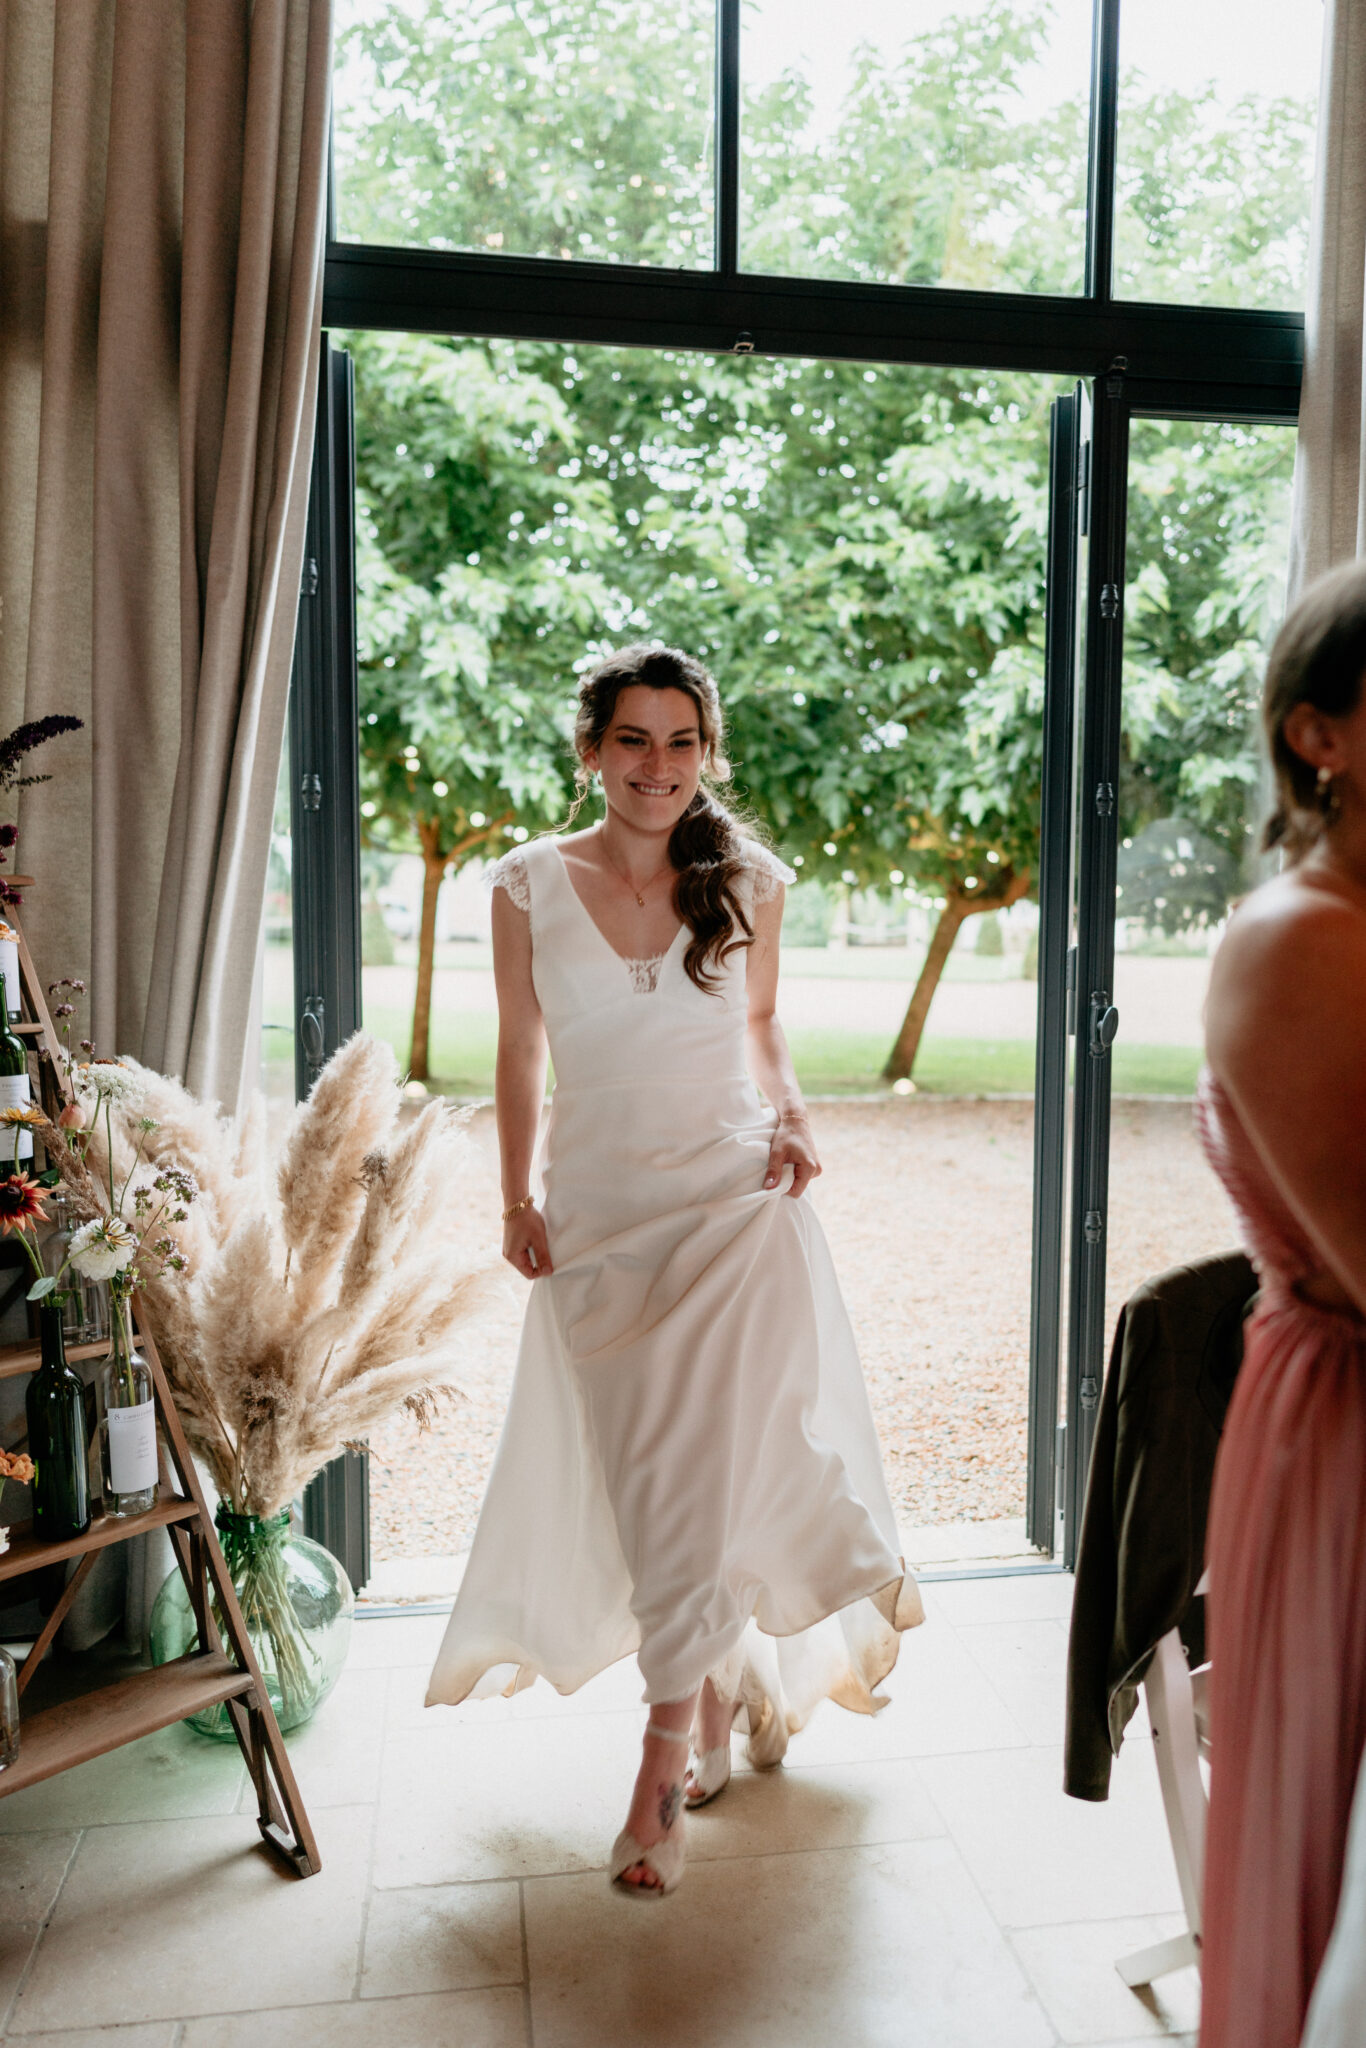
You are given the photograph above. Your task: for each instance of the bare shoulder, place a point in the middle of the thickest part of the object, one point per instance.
(1295, 952)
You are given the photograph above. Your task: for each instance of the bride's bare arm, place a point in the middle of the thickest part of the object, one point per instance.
(770, 1062)
(1286, 1035)
(519, 1086)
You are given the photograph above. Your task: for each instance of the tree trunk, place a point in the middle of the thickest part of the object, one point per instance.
(1006, 888)
(901, 1058)
(434, 863)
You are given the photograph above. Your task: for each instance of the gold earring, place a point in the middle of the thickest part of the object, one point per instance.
(1327, 795)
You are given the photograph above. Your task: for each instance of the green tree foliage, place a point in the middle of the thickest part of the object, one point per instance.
(474, 603)
(575, 128)
(857, 551)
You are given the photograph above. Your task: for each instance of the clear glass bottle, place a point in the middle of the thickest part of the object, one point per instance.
(128, 1427)
(9, 1709)
(85, 1311)
(16, 1154)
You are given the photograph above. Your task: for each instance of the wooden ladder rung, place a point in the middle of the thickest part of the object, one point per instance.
(27, 1554)
(17, 1358)
(58, 1738)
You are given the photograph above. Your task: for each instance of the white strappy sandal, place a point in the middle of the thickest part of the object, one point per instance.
(709, 1770)
(665, 1858)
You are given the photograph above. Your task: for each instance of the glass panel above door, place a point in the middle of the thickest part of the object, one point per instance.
(569, 128)
(1216, 150)
(929, 142)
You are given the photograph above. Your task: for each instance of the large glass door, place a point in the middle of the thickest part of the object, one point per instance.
(1068, 519)
(1182, 593)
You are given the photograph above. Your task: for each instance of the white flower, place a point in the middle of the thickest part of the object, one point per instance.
(103, 1248)
(106, 1080)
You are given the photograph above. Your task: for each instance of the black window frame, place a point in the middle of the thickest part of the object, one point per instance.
(1140, 357)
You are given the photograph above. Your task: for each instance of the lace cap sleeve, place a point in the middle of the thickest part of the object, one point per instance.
(769, 872)
(510, 873)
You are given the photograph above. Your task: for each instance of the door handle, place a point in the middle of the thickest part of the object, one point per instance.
(1104, 1024)
(312, 1036)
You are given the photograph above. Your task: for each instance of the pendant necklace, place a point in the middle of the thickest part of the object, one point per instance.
(639, 894)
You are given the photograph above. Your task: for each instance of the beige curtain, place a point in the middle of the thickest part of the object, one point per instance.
(162, 207)
(1330, 465)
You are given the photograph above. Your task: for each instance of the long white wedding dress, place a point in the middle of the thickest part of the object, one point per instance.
(689, 1468)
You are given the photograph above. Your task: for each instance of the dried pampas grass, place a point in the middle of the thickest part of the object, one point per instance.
(312, 1308)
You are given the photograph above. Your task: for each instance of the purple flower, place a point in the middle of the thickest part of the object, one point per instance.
(8, 834)
(21, 741)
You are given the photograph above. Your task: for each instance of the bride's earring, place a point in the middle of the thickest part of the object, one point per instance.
(1327, 795)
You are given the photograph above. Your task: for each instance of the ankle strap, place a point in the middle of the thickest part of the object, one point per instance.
(667, 1734)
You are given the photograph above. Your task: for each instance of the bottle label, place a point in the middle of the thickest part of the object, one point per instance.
(9, 968)
(14, 1094)
(133, 1447)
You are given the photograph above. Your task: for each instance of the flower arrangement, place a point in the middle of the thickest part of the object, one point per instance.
(13, 747)
(15, 1465)
(123, 1243)
(290, 1318)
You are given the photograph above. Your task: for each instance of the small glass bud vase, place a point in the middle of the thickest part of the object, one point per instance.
(128, 1430)
(85, 1309)
(9, 1710)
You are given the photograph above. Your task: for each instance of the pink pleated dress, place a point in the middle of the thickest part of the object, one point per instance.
(1287, 1623)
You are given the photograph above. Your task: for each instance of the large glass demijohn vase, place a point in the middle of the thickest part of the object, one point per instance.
(297, 1603)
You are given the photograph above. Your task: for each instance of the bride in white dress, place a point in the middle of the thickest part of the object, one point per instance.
(689, 1469)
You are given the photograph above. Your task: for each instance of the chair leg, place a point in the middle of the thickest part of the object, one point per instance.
(1147, 1964)
(1176, 1745)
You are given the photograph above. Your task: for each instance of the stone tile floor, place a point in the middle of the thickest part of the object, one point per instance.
(918, 1878)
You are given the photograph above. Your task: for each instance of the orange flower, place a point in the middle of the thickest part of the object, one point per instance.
(21, 1203)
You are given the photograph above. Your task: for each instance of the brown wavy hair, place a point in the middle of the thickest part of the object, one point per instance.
(1319, 658)
(707, 844)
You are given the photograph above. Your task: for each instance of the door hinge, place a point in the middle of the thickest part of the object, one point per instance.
(1105, 799)
(1070, 990)
(311, 792)
(743, 344)
(1109, 600)
(1094, 1226)
(1114, 377)
(308, 586)
(1090, 1390)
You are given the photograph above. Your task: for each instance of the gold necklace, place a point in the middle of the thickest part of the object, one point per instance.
(639, 894)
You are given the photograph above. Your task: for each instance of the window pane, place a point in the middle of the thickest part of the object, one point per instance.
(917, 142)
(1216, 150)
(275, 1071)
(551, 128)
(1208, 545)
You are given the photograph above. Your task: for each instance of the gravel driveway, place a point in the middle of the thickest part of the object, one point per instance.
(927, 1205)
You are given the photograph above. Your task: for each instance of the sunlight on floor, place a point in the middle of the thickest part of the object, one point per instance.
(918, 1877)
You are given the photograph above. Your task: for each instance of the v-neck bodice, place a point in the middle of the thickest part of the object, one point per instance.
(601, 1033)
(643, 968)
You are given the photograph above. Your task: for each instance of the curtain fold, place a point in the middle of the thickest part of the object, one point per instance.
(1329, 519)
(162, 211)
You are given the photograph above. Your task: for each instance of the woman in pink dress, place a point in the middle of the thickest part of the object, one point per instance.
(1283, 1109)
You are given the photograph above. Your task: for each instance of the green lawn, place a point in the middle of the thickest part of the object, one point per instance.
(828, 1062)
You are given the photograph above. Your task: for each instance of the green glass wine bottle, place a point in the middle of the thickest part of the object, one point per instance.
(14, 1090)
(57, 1440)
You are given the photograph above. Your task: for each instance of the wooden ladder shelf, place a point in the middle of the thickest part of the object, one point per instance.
(223, 1669)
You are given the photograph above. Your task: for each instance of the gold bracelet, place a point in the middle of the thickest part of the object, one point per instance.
(527, 1202)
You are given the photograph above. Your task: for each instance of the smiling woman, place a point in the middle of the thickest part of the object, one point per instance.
(689, 1468)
